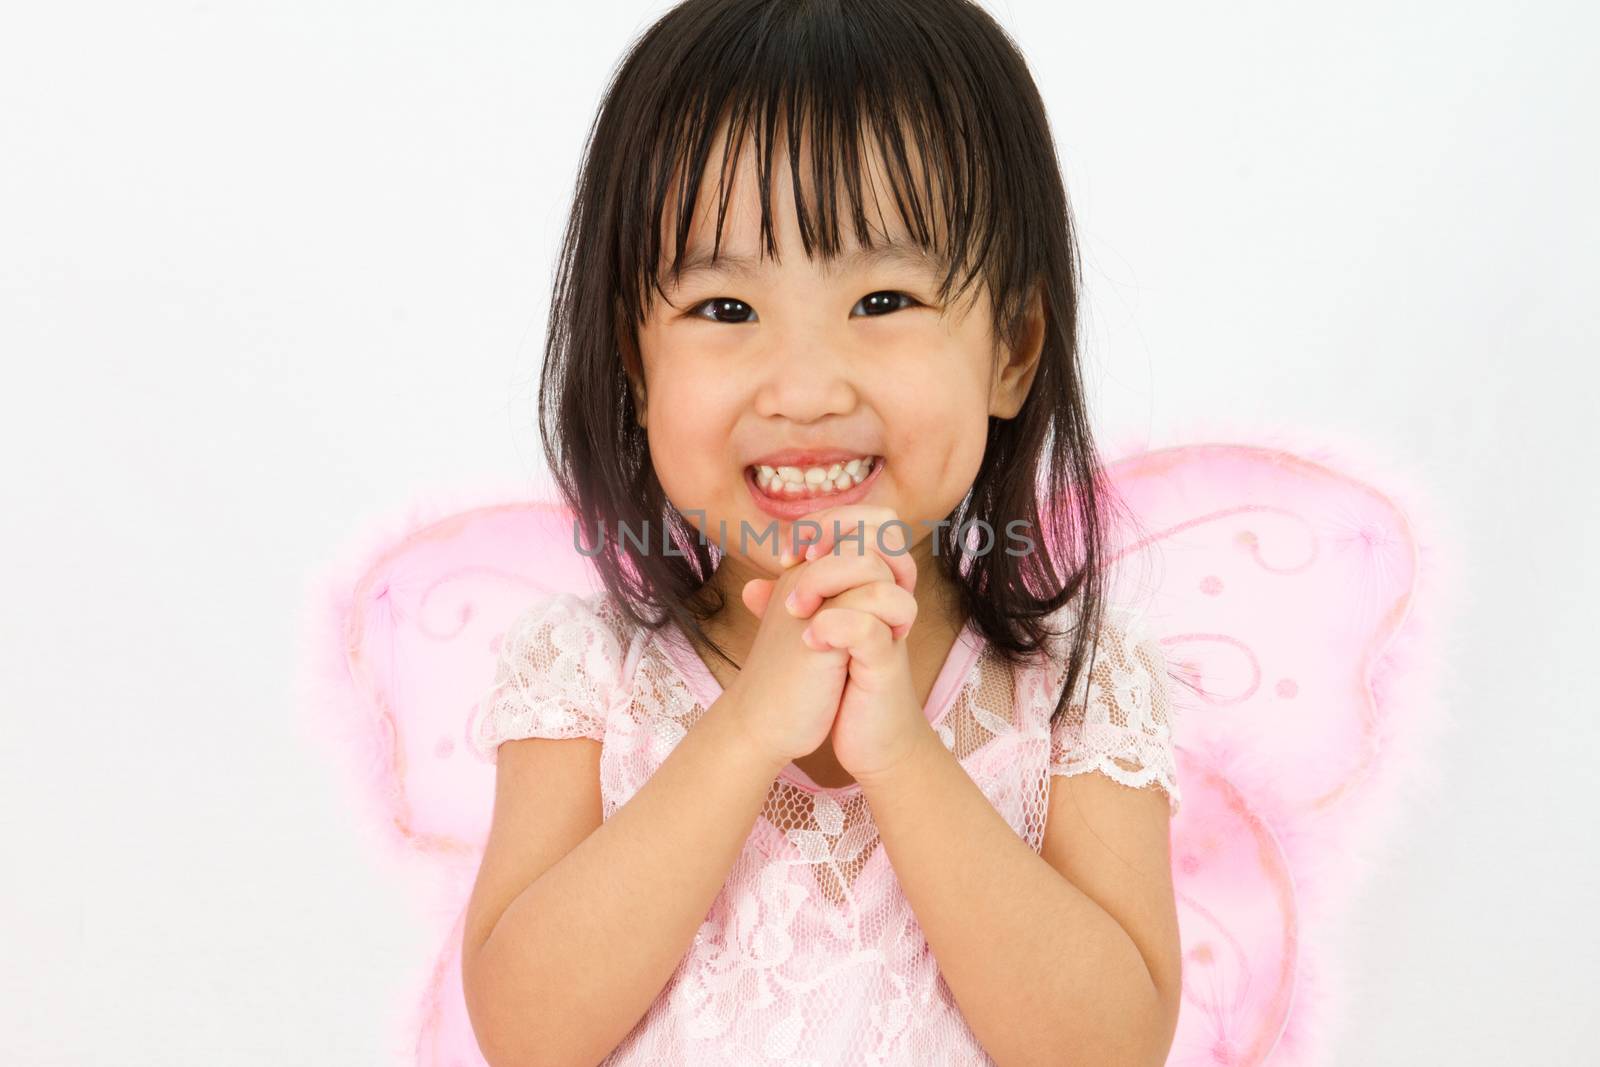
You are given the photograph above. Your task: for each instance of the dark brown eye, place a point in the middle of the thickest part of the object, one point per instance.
(884, 301)
(724, 305)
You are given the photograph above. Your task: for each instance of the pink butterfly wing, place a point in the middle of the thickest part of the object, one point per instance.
(408, 652)
(1281, 591)
(422, 641)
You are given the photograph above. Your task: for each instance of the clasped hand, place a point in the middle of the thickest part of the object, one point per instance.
(861, 605)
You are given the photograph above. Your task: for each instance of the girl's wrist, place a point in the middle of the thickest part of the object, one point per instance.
(733, 732)
(922, 746)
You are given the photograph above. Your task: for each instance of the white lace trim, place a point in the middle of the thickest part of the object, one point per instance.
(559, 668)
(1122, 727)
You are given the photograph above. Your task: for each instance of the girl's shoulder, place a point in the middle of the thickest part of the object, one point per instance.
(1121, 714)
(1122, 629)
(560, 667)
(562, 616)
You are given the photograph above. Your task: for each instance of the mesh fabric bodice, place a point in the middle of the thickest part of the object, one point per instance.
(810, 954)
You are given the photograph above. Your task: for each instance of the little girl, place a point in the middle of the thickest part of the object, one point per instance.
(805, 784)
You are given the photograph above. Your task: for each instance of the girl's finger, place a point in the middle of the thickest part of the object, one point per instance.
(833, 524)
(864, 636)
(891, 605)
(757, 595)
(832, 575)
(877, 526)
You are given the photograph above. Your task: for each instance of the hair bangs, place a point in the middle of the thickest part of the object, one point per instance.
(870, 122)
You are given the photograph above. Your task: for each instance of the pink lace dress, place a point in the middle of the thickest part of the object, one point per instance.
(810, 955)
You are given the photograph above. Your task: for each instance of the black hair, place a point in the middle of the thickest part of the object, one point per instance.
(940, 75)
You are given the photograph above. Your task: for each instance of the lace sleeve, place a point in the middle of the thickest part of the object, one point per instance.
(558, 669)
(1124, 726)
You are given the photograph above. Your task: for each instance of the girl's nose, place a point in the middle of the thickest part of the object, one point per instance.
(804, 384)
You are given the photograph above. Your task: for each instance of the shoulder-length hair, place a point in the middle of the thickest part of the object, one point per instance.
(939, 73)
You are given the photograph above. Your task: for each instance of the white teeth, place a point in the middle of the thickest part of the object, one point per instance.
(793, 481)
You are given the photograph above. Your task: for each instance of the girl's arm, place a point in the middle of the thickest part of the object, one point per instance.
(575, 925)
(1042, 972)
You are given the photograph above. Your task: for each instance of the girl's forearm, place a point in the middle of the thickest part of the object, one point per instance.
(577, 958)
(1041, 972)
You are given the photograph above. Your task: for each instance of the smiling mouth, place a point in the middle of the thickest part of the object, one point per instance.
(813, 483)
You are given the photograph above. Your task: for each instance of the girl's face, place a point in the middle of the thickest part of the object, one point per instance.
(752, 357)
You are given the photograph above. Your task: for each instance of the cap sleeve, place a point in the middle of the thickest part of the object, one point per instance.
(559, 666)
(1122, 726)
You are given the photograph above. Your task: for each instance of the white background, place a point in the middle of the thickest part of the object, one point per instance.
(269, 272)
